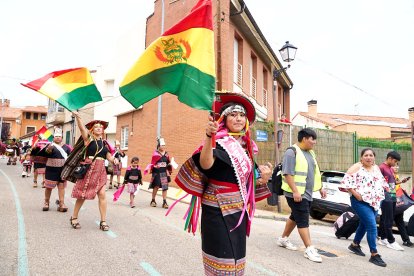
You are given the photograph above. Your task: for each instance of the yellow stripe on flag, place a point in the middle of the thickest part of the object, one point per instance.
(195, 39)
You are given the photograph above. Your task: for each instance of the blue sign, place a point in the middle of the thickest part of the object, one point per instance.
(261, 135)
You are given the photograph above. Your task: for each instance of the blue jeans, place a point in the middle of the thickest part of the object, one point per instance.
(367, 223)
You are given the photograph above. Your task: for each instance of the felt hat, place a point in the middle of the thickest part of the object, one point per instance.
(223, 98)
(94, 122)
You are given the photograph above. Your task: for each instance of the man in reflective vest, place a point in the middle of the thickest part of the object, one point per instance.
(301, 177)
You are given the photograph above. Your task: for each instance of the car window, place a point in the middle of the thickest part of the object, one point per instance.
(332, 177)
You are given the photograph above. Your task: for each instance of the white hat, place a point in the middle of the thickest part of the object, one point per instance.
(161, 142)
(58, 132)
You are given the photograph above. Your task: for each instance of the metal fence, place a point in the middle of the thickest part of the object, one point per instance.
(334, 150)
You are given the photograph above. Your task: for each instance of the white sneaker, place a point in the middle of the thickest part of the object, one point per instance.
(285, 242)
(312, 254)
(383, 242)
(395, 246)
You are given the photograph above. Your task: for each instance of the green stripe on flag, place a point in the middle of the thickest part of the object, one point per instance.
(80, 97)
(189, 84)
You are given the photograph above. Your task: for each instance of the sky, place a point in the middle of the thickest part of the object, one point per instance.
(353, 57)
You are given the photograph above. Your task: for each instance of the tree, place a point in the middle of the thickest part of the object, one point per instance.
(5, 129)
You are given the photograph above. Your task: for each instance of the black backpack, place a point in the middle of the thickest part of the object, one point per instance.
(277, 177)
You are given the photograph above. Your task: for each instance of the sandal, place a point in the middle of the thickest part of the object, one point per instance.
(61, 206)
(43, 185)
(153, 203)
(103, 227)
(165, 205)
(46, 206)
(75, 225)
(34, 184)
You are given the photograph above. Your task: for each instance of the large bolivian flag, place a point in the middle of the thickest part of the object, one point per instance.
(180, 62)
(71, 88)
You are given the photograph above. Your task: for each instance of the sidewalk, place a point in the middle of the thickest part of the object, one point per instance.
(175, 193)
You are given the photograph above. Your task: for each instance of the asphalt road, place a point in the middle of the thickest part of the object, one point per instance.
(143, 241)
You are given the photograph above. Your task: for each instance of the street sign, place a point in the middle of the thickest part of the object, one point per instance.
(261, 135)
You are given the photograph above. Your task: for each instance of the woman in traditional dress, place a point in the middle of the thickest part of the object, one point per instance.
(161, 170)
(228, 182)
(96, 151)
(116, 169)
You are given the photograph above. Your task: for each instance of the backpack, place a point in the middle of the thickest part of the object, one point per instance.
(277, 177)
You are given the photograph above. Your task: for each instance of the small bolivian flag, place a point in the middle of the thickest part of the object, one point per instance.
(180, 62)
(71, 88)
(44, 134)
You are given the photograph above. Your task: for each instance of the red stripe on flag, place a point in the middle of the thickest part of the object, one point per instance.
(200, 17)
(37, 84)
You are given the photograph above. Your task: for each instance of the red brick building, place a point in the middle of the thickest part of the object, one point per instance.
(244, 64)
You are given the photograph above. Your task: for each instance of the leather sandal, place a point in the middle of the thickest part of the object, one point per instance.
(46, 206)
(103, 227)
(34, 184)
(75, 225)
(61, 206)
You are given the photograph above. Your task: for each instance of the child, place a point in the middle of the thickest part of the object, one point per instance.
(27, 165)
(132, 178)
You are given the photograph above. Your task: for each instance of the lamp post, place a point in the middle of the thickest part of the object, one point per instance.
(1, 115)
(288, 53)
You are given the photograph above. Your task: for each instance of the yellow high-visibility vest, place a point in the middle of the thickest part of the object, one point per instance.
(301, 171)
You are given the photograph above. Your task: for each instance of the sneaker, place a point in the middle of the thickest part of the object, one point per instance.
(312, 254)
(376, 260)
(285, 242)
(356, 249)
(153, 203)
(408, 244)
(383, 242)
(395, 246)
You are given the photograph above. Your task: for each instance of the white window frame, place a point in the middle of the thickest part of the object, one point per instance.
(124, 137)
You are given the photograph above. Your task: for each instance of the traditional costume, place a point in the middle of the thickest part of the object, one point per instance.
(133, 178)
(56, 156)
(226, 192)
(95, 153)
(160, 168)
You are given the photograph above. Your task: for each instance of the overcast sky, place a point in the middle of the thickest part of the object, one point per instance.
(353, 56)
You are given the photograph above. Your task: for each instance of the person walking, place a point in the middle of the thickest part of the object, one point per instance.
(366, 184)
(39, 168)
(116, 169)
(161, 169)
(27, 164)
(96, 150)
(301, 177)
(132, 179)
(389, 203)
(223, 179)
(56, 154)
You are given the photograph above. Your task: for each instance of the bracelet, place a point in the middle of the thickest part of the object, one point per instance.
(209, 136)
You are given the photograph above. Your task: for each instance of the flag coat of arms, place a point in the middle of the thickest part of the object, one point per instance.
(71, 88)
(180, 62)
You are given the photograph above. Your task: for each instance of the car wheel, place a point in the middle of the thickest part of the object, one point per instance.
(316, 214)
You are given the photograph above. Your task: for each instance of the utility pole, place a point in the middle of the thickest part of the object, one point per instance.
(159, 124)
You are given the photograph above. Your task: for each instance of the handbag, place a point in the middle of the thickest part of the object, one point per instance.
(80, 170)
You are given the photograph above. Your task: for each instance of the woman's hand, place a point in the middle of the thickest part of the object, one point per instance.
(116, 161)
(265, 171)
(75, 114)
(212, 126)
(357, 196)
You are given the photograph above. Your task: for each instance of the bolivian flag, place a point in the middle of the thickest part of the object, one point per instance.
(180, 62)
(71, 88)
(44, 134)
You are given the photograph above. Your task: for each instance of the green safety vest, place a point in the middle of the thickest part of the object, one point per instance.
(301, 172)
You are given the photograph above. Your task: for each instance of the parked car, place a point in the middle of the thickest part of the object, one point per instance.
(338, 201)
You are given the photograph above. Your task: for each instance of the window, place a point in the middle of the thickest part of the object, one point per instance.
(110, 88)
(238, 61)
(253, 76)
(30, 129)
(28, 115)
(264, 97)
(67, 141)
(35, 116)
(55, 107)
(124, 137)
(265, 82)
(43, 117)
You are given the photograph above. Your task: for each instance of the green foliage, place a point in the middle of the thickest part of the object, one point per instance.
(375, 143)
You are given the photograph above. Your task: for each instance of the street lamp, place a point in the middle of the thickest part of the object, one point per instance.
(288, 53)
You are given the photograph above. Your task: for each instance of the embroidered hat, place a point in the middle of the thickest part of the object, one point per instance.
(238, 99)
(58, 132)
(94, 122)
(161, 142)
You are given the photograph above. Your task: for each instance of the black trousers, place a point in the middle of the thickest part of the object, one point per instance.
(399, 221)
(386, 220)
